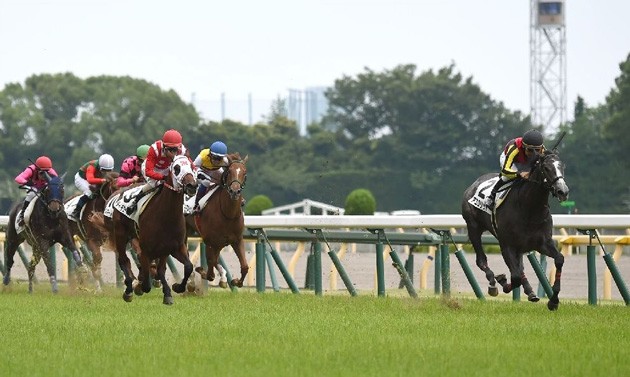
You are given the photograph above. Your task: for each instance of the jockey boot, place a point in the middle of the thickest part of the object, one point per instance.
(21, 214)
(77, 210)
(132, 208)
(489, 201)
(201, 191)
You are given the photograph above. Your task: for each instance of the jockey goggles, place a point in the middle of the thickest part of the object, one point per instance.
(532, 148)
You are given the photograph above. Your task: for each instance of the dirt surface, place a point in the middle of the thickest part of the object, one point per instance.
(361, 269)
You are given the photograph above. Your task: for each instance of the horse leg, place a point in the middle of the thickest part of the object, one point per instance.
(144, 275)
(125, 266)
(551, 251)
(239, 249)
(35, 258)
(516, 270)
(97, 260)
(529, 291)
(12, 244)
(474, 234)
(49, 267)
(222, 276)
(212, 260)
(182, 257)
(161, 275)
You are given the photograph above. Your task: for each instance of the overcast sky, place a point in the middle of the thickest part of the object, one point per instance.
(265, 47)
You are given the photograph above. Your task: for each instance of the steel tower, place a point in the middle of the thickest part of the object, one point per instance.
(548, 64)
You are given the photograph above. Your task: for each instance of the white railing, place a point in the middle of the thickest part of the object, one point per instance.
(420, 221)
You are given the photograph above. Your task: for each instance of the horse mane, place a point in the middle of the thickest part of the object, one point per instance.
(234, 156)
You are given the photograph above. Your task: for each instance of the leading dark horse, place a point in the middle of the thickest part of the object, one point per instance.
(523, 223)
(221, 221)
(161, 232)
(46, 225)
(88, 232)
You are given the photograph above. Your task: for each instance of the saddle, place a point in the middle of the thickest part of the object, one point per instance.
(484, 189)
(27, 216)
(121, 201)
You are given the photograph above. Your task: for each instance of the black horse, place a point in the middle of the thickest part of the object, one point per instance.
(46, 225)
(523, 223)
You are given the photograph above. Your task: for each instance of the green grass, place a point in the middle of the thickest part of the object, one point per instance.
(281, 334)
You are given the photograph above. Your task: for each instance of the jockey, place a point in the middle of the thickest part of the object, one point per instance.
(210, 162)
(89, 178)
(155, 166)
(35, 176)
(516, 160)
(130, 170)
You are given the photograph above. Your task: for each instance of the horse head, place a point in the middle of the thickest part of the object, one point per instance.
(53, 195)
(110, 185)
(549, 170)
(235, 175)
(182, 175)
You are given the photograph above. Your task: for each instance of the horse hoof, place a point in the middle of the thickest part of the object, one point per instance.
(138, 290)
(237, 283)
(190, 287)
(533, 298)
(493, 291)
(168, 300)
(6, 280)
(157, 284)
(127, 297)
(178, 288)
(552, 305)
(223, 284)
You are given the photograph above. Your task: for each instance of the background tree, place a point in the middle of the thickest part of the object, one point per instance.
(257, 204)
(360, 202)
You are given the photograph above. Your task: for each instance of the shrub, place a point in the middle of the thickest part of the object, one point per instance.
(257, 204)
(360, 202)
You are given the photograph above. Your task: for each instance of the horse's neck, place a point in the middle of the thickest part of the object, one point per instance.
(229, 208)
(534, 198)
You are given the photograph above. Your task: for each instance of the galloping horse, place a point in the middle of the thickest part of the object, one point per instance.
(87, 231)
(46, 225)
(162, 231)
(220, 222)
(523, 223)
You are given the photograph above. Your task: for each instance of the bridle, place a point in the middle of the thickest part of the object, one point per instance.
(228, 185)
(546, 182)
(180, 168)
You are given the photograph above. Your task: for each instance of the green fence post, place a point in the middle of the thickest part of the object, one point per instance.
(446, 269)
(285, 273)
(380, 266)
(469, 274)
(542, 289)
(260, 266)
(342, 273)
(540, 273)
(272, 272)
(516, 293)
(53, 260)
(171, 266)
(308, 280)
(610, 262)
(403, 274)
(317, 267)
(592, 275)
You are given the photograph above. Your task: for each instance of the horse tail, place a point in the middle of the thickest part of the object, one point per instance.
(98, 220)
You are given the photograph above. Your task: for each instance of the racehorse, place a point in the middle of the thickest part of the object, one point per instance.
(87, 231)
(46, 225)
(161, 232)
(220, 223)
(523, 223)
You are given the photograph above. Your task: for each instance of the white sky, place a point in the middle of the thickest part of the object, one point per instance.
(265, 47)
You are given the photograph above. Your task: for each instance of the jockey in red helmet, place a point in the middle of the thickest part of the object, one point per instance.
(159, 158)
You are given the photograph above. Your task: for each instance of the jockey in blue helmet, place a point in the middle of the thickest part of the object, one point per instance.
(210, 162)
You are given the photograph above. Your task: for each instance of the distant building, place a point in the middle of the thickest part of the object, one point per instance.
(307, 106)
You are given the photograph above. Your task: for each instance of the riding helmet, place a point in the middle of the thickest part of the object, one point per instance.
(106, 162)
(43, 163)
(172, 138)
(533, 138)
(142, 151)
(218, 148)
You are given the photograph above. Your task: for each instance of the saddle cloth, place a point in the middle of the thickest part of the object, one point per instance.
(484, 189)
(189, 201)
(27, 216)
(123, 200)
(69, 207)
